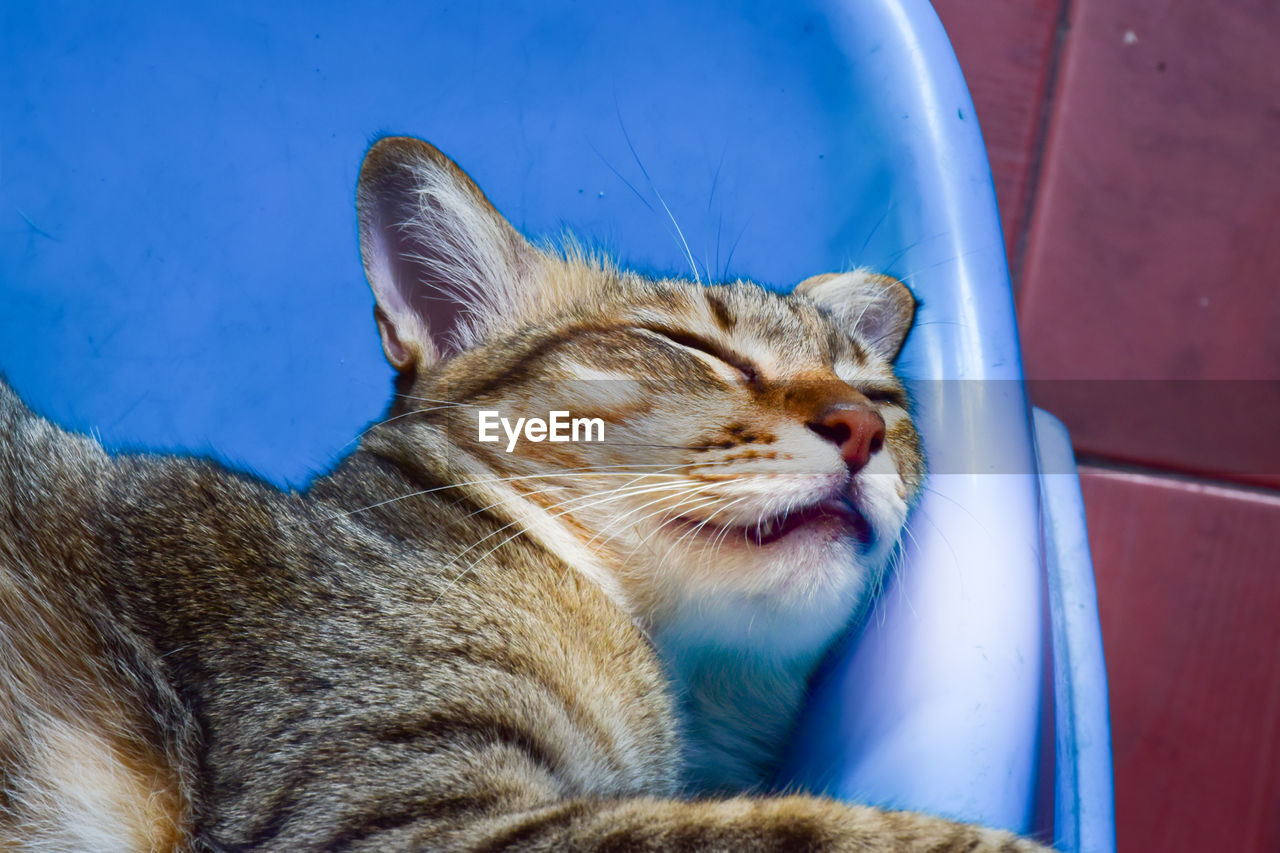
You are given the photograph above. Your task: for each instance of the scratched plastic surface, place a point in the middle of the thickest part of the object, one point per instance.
(179, 269)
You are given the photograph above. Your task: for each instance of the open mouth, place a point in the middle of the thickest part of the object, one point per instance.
(837, 513)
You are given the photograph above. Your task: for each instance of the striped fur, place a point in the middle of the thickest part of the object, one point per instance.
(444, 646)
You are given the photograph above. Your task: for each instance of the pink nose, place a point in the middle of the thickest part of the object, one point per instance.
(858, 432)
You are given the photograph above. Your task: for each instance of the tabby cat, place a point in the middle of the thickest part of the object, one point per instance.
(455, 644)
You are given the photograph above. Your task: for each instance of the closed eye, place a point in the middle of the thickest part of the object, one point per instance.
(884, 394)
(691, 341)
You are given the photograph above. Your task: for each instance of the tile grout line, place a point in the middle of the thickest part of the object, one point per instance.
(1040, 139)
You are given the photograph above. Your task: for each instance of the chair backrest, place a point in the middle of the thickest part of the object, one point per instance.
(179, 267)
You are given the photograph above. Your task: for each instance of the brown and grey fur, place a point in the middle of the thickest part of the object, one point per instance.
(438, 646)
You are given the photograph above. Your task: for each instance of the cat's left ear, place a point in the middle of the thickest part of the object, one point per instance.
(445, 267)
(877, 308)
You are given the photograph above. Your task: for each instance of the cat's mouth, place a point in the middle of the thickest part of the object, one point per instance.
(836, 515)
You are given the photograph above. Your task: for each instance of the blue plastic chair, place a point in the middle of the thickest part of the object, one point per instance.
(179, 270)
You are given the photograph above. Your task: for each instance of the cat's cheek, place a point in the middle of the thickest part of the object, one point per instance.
(877, 491)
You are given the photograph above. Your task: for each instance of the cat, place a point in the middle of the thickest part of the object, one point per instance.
(448, 643)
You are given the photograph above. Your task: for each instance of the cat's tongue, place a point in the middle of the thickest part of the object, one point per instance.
(838, 512)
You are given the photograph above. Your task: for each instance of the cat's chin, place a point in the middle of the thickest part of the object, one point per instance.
(798, 569)
(788, 599)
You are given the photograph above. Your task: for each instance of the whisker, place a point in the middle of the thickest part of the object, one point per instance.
(734, 247)
(955, 557)
(374, 426)
(722, 536)
(692, 264)
(874, 228)
(659, 446)
(711, 518)
(902, 593)
(660, 473)
(884, 288)
(681, 504)
(694, 489)
(908, 247)
(690, 504)
(513, 536)
(719, 231)
(625, 490)
(455, 403)
(956, 503)
(944, 262)
(620, 177)
(589, 471)
(718, 541)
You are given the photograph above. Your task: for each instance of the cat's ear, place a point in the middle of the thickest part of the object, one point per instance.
(877, 308)
(444, 265)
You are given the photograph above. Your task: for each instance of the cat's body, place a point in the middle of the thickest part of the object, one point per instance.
(441, 645)
(339, 682)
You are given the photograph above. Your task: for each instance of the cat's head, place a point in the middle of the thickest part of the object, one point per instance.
(744, 460)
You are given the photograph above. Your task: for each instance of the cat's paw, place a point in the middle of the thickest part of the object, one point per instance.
(1002, 841)
(864, 828)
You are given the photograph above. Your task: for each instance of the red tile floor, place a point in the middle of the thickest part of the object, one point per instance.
(1136, 151)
